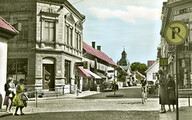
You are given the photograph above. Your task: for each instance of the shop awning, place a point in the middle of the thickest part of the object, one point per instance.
(140, 74)
(93, 74)
(83, 73)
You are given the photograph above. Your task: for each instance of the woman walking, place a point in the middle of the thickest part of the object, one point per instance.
(18, 100)
(7, 92)
(144, 90)
(12, 92)
(171, 92)
(162, 91)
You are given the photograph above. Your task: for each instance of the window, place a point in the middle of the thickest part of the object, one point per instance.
(67, 72)
(67, 34)
(23, 28)
(154, 76)
(17, 68)
(77, 40)
(49, 31)
(71, 36)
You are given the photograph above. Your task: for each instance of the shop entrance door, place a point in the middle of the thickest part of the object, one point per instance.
(48, 77)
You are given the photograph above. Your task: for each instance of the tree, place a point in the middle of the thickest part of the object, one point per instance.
(140, 67)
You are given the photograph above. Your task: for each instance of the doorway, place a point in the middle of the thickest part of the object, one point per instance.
(48, 77)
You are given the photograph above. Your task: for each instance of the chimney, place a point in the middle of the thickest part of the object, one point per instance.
(93, 45)
(99, 48)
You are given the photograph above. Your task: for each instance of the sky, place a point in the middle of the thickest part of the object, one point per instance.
(133, 25)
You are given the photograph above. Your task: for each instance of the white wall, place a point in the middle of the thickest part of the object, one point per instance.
(3, 65)
(154, 69)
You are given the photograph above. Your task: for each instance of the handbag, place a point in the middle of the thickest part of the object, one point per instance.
(172, 95)
(23, 97)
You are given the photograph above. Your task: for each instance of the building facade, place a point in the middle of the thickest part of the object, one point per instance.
(99, 66)
(6, 32)
(151, 72)
(177, 10)
(49, 44)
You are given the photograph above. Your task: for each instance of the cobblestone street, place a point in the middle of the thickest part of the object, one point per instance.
(89, 115)
(66, 107)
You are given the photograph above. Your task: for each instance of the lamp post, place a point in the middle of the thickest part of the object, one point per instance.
(176, 33)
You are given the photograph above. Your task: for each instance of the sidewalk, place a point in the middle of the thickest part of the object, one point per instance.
(185, 113)
(70, 103)
(3, 112)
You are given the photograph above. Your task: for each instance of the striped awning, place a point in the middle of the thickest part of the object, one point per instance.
(93, 74)
(84, 73)
(140, 74)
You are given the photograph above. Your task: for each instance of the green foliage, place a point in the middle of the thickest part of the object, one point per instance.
(120, 76)
(140, 67)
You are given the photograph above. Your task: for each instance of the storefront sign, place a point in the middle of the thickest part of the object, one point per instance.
(176, 32)
(163, 62)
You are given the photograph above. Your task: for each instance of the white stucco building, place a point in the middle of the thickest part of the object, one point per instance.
(151, 71)
(6, 32)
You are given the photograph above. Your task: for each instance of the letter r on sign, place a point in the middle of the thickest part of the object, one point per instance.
(176, 30)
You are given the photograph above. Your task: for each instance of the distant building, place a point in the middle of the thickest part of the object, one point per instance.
(126, 66)
(98, 65)
(6, 32)
(151, 72)
(49, 44)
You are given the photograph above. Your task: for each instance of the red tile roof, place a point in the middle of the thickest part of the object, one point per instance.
(6, 26)
(98, 54)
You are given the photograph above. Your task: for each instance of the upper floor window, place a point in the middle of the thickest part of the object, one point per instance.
(23, 27)
(49, 31)
(154, 76)
(77, 43)
(78, 40)
(69, 35)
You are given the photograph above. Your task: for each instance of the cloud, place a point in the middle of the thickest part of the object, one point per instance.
(129, 15)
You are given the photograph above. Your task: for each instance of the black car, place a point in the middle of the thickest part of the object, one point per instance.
(151, 86)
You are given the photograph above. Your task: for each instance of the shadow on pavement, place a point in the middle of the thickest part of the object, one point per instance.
(127, 93)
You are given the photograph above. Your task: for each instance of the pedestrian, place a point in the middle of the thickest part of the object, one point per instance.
(20, 98)
(162, 91)
(144, 90)
(171, 92)
(7, 92)
(12, 90)
(157, 86)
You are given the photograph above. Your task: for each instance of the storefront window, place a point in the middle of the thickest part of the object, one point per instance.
(184, 81)
(17, 68)
(67, 72)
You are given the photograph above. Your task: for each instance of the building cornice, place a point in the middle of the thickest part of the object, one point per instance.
(63, 3)
(56, 51)
(178, 3)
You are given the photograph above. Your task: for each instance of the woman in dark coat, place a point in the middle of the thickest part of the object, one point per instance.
(171, 92)
(7, 92)
(162, 91)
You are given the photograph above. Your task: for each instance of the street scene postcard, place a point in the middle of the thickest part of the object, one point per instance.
(95, 59)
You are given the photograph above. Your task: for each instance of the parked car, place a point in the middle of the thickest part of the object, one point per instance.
(151, 86)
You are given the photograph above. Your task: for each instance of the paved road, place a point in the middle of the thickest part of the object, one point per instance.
(90, 115)
(128, 92)
(85, 109)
